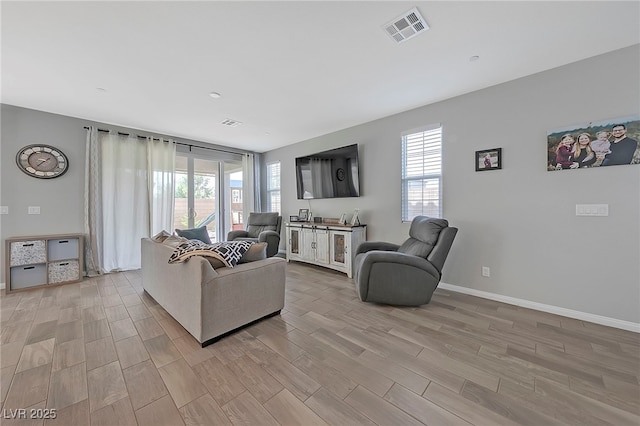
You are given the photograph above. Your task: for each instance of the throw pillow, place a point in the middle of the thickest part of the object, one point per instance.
(161, 236)
(257, 251)
(229, 252)
(174, 241)
(216, 263)
(195, 234)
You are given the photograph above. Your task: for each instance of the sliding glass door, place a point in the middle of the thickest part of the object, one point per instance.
(196, 200)
(234, 194)
(209, 192)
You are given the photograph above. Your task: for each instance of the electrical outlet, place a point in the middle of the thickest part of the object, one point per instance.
(486, 271)
(4, 209)
(34, 210)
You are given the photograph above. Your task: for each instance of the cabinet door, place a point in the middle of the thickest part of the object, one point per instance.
(340, 249)
(295, 243)
(308, 245)
(322, 245)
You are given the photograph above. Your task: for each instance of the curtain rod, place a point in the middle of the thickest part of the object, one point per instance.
(177, 143)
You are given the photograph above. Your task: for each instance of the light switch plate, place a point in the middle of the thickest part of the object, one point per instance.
(592, 209)
(4, 209)
(34, 210)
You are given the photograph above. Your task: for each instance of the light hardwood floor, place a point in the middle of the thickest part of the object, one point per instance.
(102, 352)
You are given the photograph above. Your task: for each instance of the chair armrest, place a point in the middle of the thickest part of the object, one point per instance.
(236, 234)
(377, 256)
(272, 238)
(376, 245)
(266, 234)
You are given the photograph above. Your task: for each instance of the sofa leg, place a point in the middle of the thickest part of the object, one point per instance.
(215, 339)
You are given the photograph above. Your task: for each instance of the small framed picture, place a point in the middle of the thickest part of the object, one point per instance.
(355, 220)
(294, 219)
(303, 215)
(488, 159)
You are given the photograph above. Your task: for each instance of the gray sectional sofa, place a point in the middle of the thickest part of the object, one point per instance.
(210, 303)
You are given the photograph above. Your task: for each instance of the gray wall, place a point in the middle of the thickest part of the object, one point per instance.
(61, 200)
(519, 221)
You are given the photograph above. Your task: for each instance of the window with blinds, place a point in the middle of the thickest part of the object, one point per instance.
(273, 187)
(422, 173)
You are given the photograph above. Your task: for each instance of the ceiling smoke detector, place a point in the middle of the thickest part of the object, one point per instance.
(230, 122)
(406, 26)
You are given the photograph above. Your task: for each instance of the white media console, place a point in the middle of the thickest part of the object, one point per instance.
(328, 245)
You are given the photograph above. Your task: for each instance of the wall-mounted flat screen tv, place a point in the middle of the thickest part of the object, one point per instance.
(329, 174)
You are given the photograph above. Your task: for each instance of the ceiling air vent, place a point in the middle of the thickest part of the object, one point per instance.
(406, 26)
(230, 122)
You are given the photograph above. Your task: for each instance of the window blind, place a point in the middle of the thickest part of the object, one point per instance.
(422, 174)
(273, 187)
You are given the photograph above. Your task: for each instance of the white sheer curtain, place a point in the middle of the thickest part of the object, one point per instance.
(161, 166)
(248, 189)
(257, 173)
(128, 195)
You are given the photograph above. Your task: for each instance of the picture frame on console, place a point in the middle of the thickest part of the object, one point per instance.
(355, 220)
(303, 215)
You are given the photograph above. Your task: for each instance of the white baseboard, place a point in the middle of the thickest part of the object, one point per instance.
(583, 316)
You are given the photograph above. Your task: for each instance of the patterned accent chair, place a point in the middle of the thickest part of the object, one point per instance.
(261, 227)
(407, 274)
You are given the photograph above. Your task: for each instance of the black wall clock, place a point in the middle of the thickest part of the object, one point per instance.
(340, 174)
(42, 161)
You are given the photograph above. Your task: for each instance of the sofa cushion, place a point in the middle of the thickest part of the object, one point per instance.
(195, 234)
(257, 251)
(228, 252)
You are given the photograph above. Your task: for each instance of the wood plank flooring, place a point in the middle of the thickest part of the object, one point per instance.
(103, 352)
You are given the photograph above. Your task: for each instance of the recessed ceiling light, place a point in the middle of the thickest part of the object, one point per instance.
(215, 95)
(474, 58)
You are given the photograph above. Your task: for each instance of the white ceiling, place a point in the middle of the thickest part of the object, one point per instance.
(289, 71)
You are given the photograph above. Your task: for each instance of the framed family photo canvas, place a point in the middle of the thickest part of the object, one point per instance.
(488, 159)
(610, 142)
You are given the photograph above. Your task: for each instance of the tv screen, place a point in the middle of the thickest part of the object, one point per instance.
(329, 174)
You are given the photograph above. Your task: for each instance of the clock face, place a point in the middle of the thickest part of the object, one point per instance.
(340, 174)
(42, 161)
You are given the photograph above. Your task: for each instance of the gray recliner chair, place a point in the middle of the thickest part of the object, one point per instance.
(407, 274)
(261, 227)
